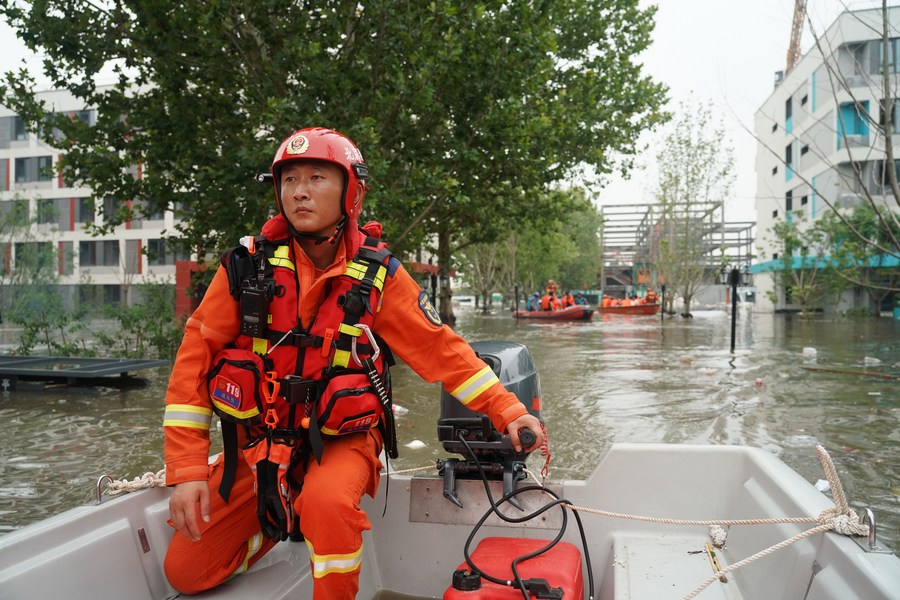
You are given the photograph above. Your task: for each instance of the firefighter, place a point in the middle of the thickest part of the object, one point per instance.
(290, 347)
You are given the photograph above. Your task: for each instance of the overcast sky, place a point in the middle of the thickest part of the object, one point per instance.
(723, 51)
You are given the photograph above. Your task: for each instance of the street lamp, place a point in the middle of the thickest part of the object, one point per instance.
(734, 277)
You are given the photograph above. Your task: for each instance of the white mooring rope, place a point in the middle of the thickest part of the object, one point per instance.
(148, 480)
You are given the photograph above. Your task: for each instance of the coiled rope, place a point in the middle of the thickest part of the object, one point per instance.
(116, 487)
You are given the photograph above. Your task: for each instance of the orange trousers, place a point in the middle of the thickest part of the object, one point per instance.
(330, 519)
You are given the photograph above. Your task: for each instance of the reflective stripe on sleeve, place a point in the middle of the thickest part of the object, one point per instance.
(325, 564)
(475, 385)
(187, 415)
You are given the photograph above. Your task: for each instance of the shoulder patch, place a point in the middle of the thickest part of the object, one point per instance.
(431, 315)
(393, 265)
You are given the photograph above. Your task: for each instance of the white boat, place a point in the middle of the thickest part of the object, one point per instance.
(115, 549)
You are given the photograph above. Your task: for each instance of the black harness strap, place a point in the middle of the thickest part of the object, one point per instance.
(230, 443)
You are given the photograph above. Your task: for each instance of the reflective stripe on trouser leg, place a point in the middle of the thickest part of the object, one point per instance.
(253, 546)
(326, 564)
(330, 517)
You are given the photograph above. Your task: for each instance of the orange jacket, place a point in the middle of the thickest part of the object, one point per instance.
(435, 352)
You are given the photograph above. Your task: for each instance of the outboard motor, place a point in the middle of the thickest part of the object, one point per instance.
(513, 365)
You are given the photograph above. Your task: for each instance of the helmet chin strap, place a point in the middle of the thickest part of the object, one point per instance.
(319, 239)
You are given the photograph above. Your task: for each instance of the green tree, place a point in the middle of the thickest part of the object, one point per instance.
(465, 110)
(565, 248)
(802, 271)
(854, 242)
(695, 175)
(146, 327)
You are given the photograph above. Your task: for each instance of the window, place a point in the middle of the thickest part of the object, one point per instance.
(15, 212)
(893, 115)
(19, 131)
(84, 212)
(34, 168)
(110, 208)
(804, 149)
(775, 170)
(774, 127)
(789, 161)
(892, 56)
(789, 201)
(111, 253)
(852, 123)
(156, 253)
(804, 200)
(804, 99)
(35, 256)
(99, 254)
(774, 256)
(87, 254)
(47, 211)
(85, 116)
(774, 214)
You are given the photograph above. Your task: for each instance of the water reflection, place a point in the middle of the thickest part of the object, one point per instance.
(615, 379)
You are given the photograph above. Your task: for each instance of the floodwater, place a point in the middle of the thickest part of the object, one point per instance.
(790, 385)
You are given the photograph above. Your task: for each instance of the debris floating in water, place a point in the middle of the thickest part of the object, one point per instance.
(822, 485)
(810, 352)
(871, 361)
(415, 445)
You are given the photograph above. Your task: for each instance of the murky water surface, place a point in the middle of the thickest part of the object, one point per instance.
(615, 379)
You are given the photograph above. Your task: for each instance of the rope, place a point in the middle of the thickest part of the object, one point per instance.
(761, 554)
(147, 480)
(412, 470)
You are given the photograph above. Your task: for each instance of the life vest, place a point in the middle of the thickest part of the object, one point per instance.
(295, 384)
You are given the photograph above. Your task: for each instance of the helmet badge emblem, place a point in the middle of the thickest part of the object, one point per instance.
(298, 144)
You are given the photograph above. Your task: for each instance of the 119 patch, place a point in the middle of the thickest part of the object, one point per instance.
(428, 309)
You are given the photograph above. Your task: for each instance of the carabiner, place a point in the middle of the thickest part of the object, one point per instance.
(371, 343)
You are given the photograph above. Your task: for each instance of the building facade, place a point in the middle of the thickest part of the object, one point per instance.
(43, 214)
(819, 143)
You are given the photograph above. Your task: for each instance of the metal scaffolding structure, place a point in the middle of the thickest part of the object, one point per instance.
(630, 233)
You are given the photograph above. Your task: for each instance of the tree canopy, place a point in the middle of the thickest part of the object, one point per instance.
(463, 110)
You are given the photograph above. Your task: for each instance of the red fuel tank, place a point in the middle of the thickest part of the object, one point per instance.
(560, 566)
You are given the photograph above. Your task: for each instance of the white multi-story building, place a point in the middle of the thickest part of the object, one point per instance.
(104, 268)
(818, 142)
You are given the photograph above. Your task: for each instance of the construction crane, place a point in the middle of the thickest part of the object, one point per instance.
(793, 52)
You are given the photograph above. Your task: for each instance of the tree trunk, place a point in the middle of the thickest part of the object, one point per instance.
(446, 309)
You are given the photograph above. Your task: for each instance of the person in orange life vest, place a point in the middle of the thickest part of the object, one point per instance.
(320, 183)
(567, 300)
(550, 302)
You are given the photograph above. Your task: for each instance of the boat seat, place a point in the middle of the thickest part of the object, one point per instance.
(641, 566)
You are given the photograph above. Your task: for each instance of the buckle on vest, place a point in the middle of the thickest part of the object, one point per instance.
(372, 342)
(354, 303)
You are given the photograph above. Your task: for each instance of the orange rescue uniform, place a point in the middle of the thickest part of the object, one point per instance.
(328, 503)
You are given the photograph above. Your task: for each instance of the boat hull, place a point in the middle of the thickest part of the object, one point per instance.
(637, 309)
(99, 551)
(571, 313)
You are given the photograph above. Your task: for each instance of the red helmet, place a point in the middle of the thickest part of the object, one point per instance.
(318, 143)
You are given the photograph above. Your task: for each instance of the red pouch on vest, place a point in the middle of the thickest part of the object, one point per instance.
(348, 404)
(234, 385)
